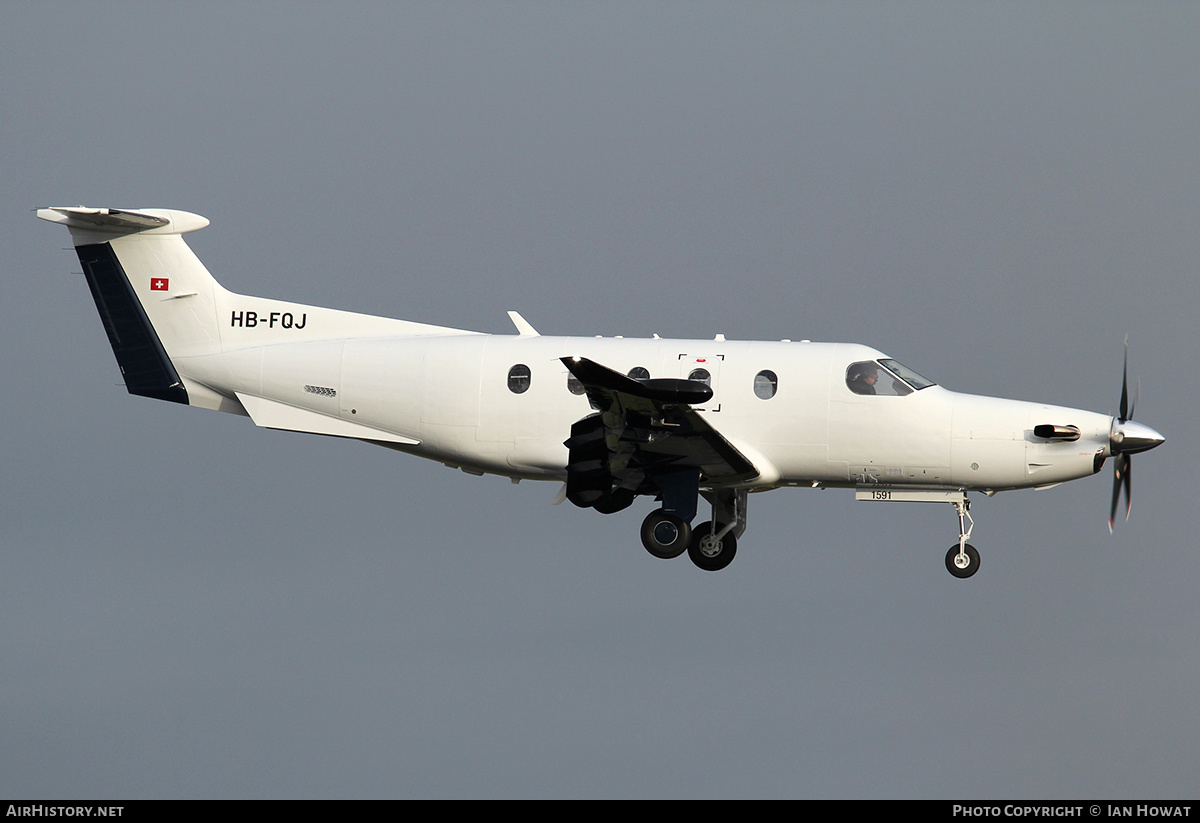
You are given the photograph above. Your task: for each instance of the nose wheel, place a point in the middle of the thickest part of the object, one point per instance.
(962, 561)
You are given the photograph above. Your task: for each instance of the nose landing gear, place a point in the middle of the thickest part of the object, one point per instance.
(962, 560)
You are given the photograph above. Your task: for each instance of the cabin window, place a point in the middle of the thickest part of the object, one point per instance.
(518, 379)
(639, 373)
(766, 383)
(702, 376)
(574, 385)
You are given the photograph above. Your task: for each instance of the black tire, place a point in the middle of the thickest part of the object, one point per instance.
(972, 561)
(707, 555)
(664, 535)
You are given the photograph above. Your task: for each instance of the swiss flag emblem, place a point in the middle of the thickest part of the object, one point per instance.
(159, 284)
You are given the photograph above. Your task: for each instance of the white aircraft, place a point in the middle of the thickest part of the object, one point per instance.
(674, 420)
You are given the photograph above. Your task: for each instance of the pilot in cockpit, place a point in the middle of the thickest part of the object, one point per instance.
(862, 378)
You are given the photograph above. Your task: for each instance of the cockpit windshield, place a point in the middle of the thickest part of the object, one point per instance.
(886, 377)
(907, 375)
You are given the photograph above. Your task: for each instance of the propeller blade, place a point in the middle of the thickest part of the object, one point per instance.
(1126, 438)
(1125, 385)
(1120, 472)
(1128, 482)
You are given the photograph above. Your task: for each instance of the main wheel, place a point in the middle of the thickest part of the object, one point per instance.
(964, 567)
(665, 535)
(709, 553)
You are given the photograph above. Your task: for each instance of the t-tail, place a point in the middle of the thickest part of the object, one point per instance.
(155, 298)
(163, 311)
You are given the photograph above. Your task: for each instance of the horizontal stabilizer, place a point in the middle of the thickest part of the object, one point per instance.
(123, 221)
(271, 414)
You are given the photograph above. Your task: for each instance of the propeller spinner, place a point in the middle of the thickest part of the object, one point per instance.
(1125, 438)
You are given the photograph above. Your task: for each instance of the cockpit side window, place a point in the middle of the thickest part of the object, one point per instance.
(863, 377)
(868, 377)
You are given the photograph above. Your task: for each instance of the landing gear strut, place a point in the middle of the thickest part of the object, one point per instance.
(715, 543)
(963, 560)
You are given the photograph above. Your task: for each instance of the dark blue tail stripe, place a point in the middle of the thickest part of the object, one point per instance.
(140, 354)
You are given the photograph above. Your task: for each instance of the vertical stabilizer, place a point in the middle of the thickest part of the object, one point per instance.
(155, 298)
(176, 333)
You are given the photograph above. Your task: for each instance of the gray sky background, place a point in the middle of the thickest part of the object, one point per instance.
(994, 193)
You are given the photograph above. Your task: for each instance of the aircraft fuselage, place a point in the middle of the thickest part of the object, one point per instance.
(451, 393)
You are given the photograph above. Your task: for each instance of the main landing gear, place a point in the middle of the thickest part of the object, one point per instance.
(710, 545)
(665, 535)
(713, 546)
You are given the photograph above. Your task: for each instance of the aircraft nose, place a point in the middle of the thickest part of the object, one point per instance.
(1129, 437)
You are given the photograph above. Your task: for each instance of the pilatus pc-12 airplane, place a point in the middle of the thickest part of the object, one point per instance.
(613, 419)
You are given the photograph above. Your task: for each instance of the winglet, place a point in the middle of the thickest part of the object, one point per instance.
(523, 327)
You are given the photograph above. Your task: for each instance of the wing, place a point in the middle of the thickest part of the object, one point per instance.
(645, 438)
